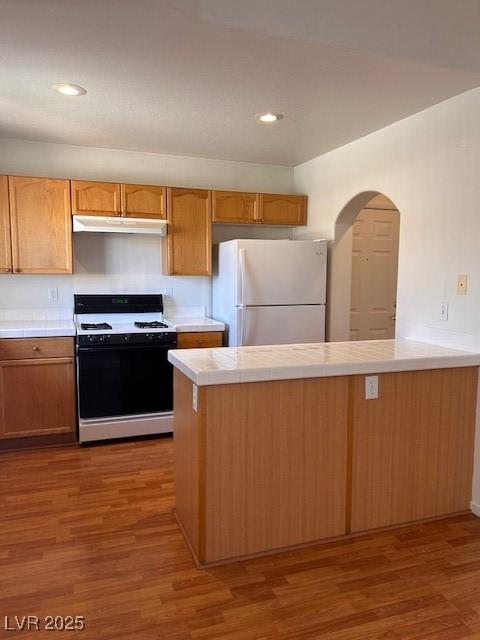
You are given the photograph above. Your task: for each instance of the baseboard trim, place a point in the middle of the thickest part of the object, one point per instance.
(475, 507)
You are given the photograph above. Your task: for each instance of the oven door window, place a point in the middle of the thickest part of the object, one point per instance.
(124, 381)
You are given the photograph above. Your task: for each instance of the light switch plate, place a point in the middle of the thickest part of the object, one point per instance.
(195, 397)
(371, 387)
(444, 311)
(462, 284)
(53, 294)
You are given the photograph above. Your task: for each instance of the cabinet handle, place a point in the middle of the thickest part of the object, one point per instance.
(35, 349)
(17, 270)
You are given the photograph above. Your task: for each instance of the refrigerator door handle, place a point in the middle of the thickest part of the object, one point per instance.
(243, 295)
(241, 255)
(243, 311)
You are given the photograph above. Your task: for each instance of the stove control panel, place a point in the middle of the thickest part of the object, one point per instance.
(168, 339)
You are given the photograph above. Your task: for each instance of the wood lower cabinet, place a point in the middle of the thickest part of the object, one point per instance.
(96, 198)
(235, 207)
(37, 394)
(189, 236)
(283, 209)
(5, 239)
(199, 339)
(41, 225)
(412, 448)
(141, 201)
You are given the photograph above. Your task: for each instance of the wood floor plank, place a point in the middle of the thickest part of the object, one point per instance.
(91, 532)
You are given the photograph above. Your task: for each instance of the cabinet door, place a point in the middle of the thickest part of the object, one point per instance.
(189, 239)
(5, 242)
(96, 198)
(234, 207)
(140, 201)
(41, 225)
(412, 448)
(282, 209)
(49, 385)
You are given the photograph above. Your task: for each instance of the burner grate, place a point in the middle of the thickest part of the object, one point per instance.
(95, 325)
(151, 325)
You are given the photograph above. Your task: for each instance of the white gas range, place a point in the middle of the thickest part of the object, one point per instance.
(124, 380)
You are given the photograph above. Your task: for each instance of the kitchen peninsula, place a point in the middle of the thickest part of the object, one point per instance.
(281, 446)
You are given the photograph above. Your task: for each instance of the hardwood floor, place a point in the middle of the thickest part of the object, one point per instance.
(90, 532)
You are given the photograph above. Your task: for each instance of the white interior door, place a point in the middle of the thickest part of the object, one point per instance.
(281, 325)
(282, 272)
(374, 274)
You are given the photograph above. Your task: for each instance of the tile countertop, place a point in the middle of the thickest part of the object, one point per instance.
(36, 328)
(186, 324)
(253, 364)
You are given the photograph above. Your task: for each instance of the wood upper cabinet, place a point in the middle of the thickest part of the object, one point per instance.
(41, 225)
(141, 201)
(5, 241)
(282, 209)
(49, 385)
(234, 207)
(189, 238)
(96, 198)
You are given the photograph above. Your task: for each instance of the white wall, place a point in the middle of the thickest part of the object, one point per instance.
(429, 166)
(105, 263)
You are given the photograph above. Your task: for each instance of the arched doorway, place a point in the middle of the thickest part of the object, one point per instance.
(363, 270)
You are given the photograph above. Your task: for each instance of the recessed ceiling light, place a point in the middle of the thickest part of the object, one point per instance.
(69, 89)
(269, 116)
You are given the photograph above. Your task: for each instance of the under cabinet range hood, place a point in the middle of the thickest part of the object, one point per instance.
(110, 224)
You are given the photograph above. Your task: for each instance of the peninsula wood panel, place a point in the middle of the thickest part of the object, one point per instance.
(282, 209)
(24, 348)
(41, 225)
(199, 339)
(235, 207)
(49, 386)
(188, 467)
(275, 467)
(5, 240)
(141, 201)
(96, 198)
(189, 236)
(412, 449)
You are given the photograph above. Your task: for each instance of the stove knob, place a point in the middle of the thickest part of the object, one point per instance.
(150, 336)
(91, 338)
(101, 338)
(127, 338)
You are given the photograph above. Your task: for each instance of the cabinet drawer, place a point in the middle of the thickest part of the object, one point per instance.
(25, 348)
(200, 339)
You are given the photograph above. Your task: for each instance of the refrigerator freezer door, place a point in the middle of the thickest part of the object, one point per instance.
(278, 325)
(281, 272)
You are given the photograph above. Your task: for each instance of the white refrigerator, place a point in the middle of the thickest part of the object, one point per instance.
(270, 291)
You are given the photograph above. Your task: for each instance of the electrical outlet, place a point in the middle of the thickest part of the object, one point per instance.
(444, 311)
(53, 294)
(462, 284)
(371, 387)
(168, 291)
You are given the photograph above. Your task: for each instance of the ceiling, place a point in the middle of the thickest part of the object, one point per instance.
(186, 77)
